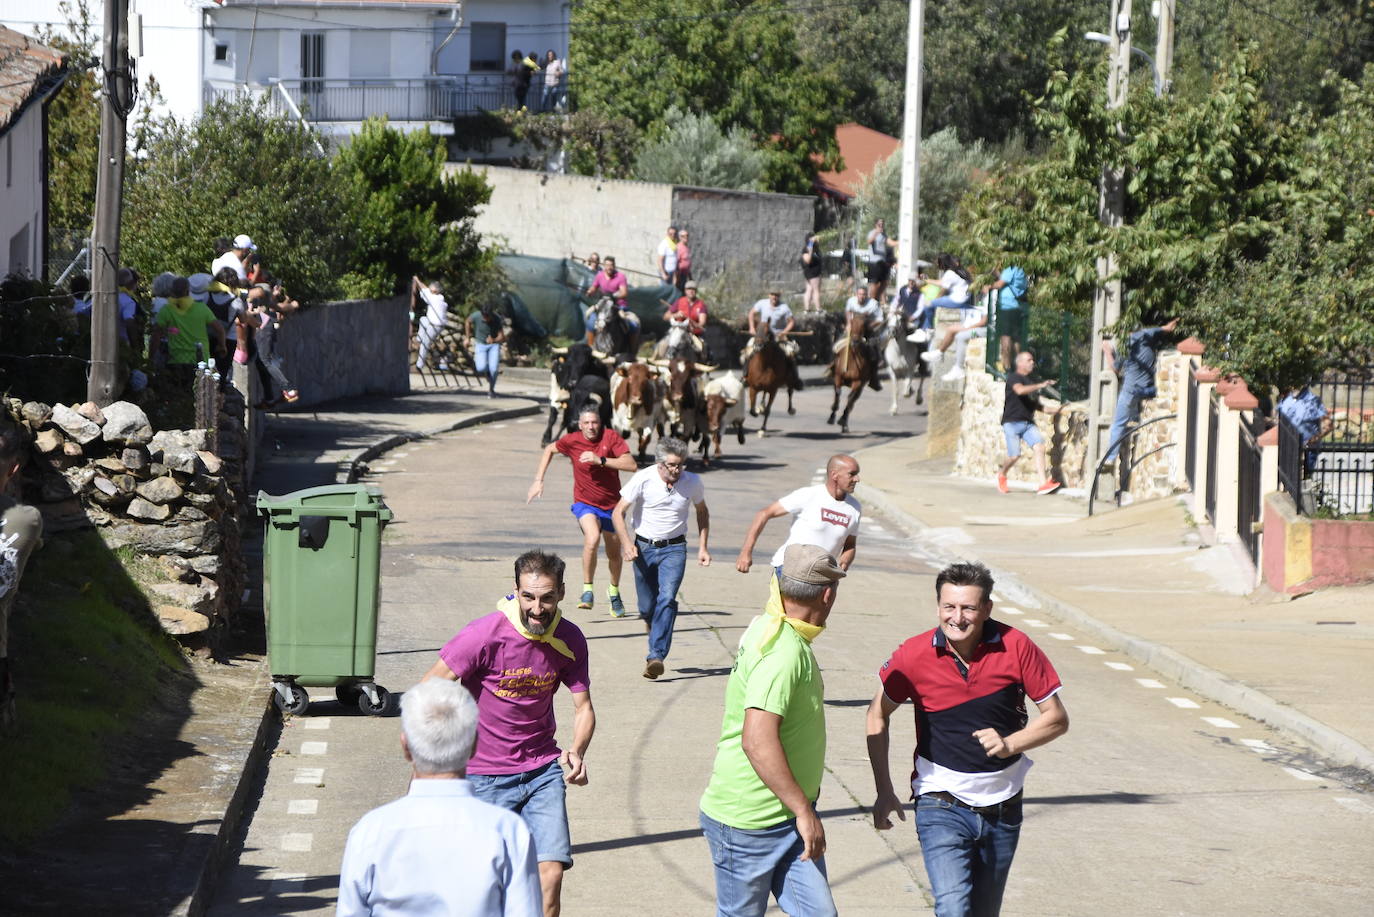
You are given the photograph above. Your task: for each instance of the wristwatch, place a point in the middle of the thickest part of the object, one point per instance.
(603, 460)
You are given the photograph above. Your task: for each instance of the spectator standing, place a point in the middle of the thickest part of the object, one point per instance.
(877, 261)
(811, 266)
(1137, 379)
(758, 812)
(1012, 327)
(598, 456)
(186, 323)
(162, 288)
(1021, 401)
(234, 257)
(521, 72)
(512, 661)
(1309, 416)
(487, 332)
(400, 857)
(127, 325)
(21, 531)
(968, 680)
(665, 256)
(659, 499)
(684, 260)
(555, 69)
(594, 263)
(433, 319)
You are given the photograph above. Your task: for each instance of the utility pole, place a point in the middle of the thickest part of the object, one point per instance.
(105, 381)
(1164, 41)
(1111, 205)
(909, 216)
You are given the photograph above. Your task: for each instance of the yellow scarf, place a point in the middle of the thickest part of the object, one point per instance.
(217, 287)
(511, 609)
(805, 629)
(181, 303)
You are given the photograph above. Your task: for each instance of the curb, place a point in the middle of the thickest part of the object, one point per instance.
(357, 463)
(1170, 663)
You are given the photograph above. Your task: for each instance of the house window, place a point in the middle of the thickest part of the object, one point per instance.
(312, 55)
(488, 49)
(221, 52)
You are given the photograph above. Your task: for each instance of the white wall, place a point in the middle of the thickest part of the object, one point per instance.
(21, 190)
(531, 26)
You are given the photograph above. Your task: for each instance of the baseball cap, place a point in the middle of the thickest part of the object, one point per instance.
(809, 563)
(243, 241)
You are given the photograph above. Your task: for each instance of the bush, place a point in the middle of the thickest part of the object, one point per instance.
(693, 150)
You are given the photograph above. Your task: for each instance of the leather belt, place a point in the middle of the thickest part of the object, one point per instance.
(993, 811)
(661, 542)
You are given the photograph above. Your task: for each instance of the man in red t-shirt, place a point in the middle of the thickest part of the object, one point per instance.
(691, 309)
(598, 456)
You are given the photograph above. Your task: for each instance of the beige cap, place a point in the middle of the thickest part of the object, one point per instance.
(809, 563)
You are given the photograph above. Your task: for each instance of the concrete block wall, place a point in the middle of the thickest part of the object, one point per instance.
(340, 349)
(762, 231)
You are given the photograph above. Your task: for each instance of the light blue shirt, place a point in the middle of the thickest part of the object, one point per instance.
(1014, 293)
(440, 851)
(870, 309)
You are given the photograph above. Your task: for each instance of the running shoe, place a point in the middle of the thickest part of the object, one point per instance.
(1048, 487)
(932, 356)
(954, 375)
(617, 607)
(587, 600)
(653, 668)
(1002, 484)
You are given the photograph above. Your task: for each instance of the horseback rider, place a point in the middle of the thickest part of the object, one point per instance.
(688, 311)
(862, 308)
(612, 283)
(777, 316)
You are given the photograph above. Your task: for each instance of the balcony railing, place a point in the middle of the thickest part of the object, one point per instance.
(436, 98)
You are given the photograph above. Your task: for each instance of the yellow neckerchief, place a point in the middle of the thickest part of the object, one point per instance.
(181, 303)
(805, 629)
(217, 287)
(511, 609)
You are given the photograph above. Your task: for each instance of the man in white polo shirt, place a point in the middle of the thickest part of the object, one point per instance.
(827, 515)
(659, 498)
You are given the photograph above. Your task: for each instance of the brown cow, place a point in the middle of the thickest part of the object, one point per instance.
(724, 408)
(636, 402)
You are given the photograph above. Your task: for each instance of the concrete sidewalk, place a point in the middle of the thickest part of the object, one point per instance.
(1141, 580)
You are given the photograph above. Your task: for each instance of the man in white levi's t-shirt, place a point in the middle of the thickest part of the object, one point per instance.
(826, 514)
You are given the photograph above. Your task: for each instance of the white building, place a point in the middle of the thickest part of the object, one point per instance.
(335, 62)
(30, 73)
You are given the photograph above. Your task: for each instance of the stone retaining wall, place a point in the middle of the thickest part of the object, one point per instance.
(341, 349)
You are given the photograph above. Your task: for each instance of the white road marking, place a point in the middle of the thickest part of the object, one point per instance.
(525, 420)
(1258, 745)
(1119, 666)
(820, 471)
(1036, 622)
(297, 843)
(318, 722)
(1092, 650)
(1303, 775)
(310, 775)
(1149, 683)
(1183, 703)
(303, 807)
(314, 748)
(1062, 636)
(1220, 722)
(499, 426)
(1354, 804)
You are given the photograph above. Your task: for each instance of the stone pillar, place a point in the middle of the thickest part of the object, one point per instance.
(1191, 349)
(1228, 464)
(1206, 379)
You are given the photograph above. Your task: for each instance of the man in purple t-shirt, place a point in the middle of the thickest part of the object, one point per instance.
(512, 661)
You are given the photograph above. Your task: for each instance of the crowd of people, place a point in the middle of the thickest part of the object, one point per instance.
(480, 734)
(207, 320)
(552, 73)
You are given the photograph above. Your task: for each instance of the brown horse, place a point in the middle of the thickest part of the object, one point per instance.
(852, 368)
(766, 372)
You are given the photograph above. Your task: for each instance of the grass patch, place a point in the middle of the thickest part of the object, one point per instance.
(89, 658)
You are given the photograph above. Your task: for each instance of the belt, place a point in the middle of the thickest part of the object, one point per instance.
(661, 542)
(992, 811)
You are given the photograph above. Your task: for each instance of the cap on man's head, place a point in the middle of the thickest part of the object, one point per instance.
(200, 285)
(809, 563)
(243, 241)
(690, 285)
(775, 292)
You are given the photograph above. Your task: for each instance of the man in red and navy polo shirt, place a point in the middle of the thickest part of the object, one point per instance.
(968, 679)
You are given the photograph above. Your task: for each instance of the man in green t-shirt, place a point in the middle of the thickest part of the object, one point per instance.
(758, 811)
(186, 322)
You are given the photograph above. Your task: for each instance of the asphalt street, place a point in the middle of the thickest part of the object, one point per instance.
(1143, 808)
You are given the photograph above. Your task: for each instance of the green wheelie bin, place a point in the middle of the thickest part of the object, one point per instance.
(321, 586)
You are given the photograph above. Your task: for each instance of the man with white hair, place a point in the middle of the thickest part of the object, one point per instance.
(400, 858)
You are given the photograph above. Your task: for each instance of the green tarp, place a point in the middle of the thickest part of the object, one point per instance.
(547, 288)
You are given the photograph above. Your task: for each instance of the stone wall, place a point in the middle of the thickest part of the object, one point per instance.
(555, 216)
(340, 349)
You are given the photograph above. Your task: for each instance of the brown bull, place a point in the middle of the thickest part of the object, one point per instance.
(636, 402)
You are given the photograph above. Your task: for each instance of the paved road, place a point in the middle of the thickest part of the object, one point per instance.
(1144, 808)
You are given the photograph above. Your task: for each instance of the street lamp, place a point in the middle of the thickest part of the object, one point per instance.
(1154, 71)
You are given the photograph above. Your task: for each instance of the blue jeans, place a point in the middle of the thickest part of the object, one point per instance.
(967, 855)
(538, 797)
(750, 865)
(487, 359)
(658, 574)
(926, 317)
(1127, 412)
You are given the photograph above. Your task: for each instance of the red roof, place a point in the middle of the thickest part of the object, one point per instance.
(861, 148)
(27, 69)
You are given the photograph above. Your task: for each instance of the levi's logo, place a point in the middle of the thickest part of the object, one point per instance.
(834, 518)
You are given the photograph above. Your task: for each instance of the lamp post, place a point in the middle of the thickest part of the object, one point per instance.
(1154, 70)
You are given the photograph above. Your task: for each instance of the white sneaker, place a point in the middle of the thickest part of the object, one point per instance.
(932, 356)
(919, 336)
(954, 375)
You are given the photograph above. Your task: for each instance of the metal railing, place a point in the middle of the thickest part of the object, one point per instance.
(1127, 461)
(434, 98)
(1059, 340)
(1190, 430)
(1326, 463)
(1249, 485)
(1213, 425)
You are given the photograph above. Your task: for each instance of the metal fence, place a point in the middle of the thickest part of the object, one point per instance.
(1061, 342)
(1249, 485)
(1326, 463)
(1190, 431)
(1213, 425)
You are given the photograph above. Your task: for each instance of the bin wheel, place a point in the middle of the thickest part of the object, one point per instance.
(381, 708)
(348, 694)
(300, 701)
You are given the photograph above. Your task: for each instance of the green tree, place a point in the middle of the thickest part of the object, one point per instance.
(406, 215)
(238, 168)
(734, 60)
(693, 150)
(865, 45)
(585, 142)
(73, 133)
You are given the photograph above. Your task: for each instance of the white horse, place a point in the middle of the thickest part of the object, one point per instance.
(902, 356)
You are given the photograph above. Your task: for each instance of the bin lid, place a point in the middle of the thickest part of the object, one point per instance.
(342, 499)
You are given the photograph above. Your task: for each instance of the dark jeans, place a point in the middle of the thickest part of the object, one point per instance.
(269, 364)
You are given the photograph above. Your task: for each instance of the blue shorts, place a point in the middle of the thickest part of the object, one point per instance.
(537, 796)
(1017, 430)
(581, 509)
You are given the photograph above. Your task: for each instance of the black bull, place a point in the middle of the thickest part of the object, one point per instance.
(585, 378)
